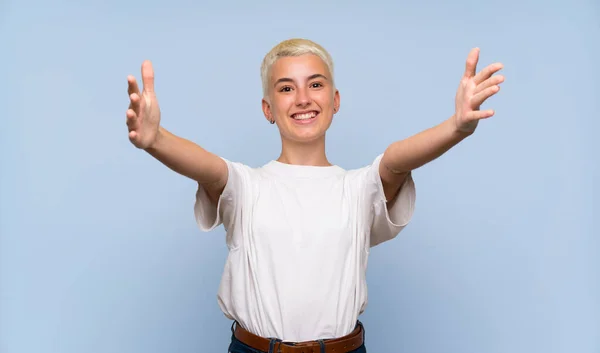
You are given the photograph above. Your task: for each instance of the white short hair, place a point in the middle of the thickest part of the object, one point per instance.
(292, 47)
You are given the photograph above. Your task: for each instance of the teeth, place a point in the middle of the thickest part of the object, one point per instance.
(304, 116)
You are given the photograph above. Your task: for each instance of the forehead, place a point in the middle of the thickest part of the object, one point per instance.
(298, 67)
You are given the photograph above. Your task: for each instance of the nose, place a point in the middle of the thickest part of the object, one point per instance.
(302, 97)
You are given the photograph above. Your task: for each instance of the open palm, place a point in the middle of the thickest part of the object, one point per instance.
(473, 90)
(143, 115)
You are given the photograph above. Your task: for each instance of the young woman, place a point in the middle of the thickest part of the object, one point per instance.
(299, 228)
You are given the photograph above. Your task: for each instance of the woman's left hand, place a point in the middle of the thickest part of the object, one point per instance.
(473, 90)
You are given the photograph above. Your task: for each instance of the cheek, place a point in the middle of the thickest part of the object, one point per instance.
(325, 96)
(282, 106)
(325, 101)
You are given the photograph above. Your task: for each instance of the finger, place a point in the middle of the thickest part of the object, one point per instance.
(132, 120)
(480, 97)
(133, 136)
(480, 114)
(494, 80)
(132, 86)
(487, 72)
(471, 65)
(135, 101)
(148, 76)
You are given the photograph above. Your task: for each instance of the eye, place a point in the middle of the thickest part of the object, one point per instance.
(285, 89)
(316, 85)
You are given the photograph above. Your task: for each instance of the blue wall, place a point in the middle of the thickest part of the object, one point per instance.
(99, 251)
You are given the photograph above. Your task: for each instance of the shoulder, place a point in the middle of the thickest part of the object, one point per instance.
(367, 172)
(236, 168)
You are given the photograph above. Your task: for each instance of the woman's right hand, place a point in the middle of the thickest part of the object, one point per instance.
(143, 115)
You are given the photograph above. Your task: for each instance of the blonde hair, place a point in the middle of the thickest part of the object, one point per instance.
(292, 47)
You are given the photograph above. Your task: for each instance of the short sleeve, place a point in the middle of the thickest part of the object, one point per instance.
(208, 216)
(388, 223)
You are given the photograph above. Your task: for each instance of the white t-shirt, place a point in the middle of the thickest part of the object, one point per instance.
(299, 239)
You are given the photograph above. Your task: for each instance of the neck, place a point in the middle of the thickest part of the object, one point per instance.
(311, 153)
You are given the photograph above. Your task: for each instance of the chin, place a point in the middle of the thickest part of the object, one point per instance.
(305, 136)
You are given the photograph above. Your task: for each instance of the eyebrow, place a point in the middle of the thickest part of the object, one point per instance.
(311, 77)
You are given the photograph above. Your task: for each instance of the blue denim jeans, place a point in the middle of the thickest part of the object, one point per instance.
(237, 346)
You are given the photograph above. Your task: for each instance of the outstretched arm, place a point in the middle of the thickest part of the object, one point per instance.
(403, 156)
(179, 154)
(190, 160)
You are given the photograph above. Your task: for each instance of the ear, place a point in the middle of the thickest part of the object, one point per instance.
(266, 108)
(336, 101)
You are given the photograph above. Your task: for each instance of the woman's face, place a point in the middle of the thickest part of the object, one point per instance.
(302, 99)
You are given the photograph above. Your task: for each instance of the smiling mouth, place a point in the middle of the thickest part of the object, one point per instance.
(305, 115)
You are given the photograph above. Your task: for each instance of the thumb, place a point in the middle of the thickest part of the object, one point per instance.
(471, 64)
(148, 76)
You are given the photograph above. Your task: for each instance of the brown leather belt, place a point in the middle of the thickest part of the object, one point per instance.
(343, 344)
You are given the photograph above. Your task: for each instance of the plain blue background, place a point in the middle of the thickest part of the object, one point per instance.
(99, 251)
